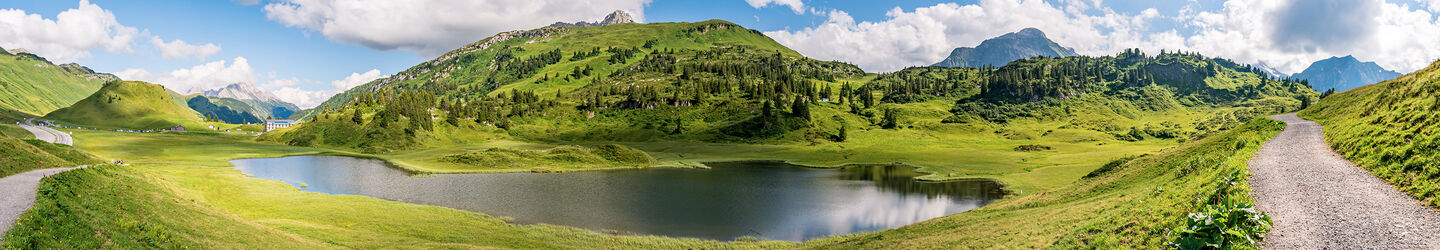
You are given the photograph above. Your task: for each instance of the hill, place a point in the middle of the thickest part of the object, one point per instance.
(129, 105)
(219, 109)
(1001, 50)
(1389, 128)
(1343, 73)
(251, 100)
(33, 86)
(19, 156)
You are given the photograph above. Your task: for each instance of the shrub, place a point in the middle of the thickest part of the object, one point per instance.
(1031, 148)
(1224, 223)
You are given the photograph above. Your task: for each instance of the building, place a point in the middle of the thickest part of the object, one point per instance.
(177, 128)
(277, 124)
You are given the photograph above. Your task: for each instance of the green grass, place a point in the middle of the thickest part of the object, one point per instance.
(181, 192)
(1389, 129)
(129, 105)
(1140, 204)
(34, 86)
(15, 131)
(19, 156)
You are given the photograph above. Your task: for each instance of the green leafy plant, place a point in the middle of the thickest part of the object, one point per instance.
(1224, 223)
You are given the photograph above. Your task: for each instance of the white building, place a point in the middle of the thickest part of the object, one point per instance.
(277, 124)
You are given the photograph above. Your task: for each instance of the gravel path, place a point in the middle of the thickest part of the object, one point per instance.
(19, 194)
(1321, 201)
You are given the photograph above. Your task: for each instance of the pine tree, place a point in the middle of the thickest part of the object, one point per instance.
(800, 109)
(357, 119)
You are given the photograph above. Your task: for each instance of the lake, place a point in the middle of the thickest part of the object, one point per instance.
(769, 200)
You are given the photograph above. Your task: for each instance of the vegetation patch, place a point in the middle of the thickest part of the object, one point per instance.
(1031, 148)
(608, 155)
(19, 156)
(1389, 128)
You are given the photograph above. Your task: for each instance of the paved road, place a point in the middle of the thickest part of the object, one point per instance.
(1321, 201)
(47, 134)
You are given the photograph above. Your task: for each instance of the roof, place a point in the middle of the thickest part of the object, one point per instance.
(280, 121)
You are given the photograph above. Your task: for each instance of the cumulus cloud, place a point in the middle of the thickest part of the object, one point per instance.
(926, 35)
(795, 5)
(356, 79)
(432, 27)
(1286, 34)
(288, 90)
(68, 37)
(211, 75)
(177, 49)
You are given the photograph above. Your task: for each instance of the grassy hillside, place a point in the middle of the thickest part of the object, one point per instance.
(1389, 128)
(129, 105)
(32, 85)
(19, 156)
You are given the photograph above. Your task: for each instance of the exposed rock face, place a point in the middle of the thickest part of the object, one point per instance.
(260, 102)
(998, 51)
(616, 17)
(1344, 73)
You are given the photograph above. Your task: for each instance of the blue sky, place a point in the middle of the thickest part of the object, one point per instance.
(306, 50)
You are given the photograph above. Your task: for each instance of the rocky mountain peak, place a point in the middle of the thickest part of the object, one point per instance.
(619, 16)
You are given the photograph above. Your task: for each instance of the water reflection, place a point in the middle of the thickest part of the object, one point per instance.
(767, 200)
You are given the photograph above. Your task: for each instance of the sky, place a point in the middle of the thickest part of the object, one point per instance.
(305, 51)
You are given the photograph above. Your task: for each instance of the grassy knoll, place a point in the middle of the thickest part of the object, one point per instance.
(1142, 203)
(1389, 129)
(181, 192)
(19, 156)
(129, 105)
(15, 131)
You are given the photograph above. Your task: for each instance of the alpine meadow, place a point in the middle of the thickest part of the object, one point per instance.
(718, 125)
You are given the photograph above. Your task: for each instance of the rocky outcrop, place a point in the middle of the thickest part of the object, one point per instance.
(616, 17)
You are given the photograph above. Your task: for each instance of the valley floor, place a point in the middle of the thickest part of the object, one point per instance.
(181, 191)
(1320, 200)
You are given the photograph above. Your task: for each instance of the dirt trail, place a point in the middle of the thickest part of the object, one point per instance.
(1321, 201)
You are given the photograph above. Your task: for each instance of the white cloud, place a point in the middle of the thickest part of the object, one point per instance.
(288, 90)
(303, 98)
(356, 79)
(1433, 5)
(926, 35)
(68, 37)
(1247, 31)
(432, 27)
(177, 49)
(795, 5)
(211, 75)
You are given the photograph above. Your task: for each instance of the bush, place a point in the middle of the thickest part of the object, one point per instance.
(1224, 223)
(619, 153)
(1031, 148)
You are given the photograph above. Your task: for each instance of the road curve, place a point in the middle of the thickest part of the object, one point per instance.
(17, 192)
(47, 134)
(1319, 200)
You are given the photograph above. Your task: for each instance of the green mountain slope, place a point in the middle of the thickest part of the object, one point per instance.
(19, 156)
(220, 109)
(32, 85)
(129, 105)
(1390, 129)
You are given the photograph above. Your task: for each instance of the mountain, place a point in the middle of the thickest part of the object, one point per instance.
(210, 110)
(616, 17)
(998, 51)
(30, 85)
(1271, 70)
(1390, 129)
(258, 102)
(129, 105)
(1344, 73)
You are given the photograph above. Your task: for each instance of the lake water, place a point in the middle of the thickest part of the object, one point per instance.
(763, 199)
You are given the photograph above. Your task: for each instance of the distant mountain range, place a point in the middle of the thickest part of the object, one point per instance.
(246, 98)
(998, 51)
(1344, 73)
